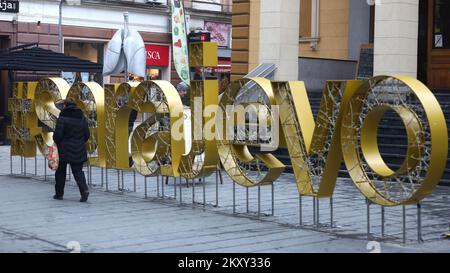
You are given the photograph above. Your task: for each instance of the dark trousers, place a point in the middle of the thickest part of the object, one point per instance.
(78, 174)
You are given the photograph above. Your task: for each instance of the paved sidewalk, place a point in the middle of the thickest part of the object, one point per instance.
(31, 221)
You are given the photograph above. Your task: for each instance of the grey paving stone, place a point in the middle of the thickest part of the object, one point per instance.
(123, 221)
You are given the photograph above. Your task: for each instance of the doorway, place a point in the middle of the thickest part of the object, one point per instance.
(4, 93)
(438, 44)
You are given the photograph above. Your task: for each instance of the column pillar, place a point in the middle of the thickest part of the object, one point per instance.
(279, 32)
(396, 37)
(266, 31)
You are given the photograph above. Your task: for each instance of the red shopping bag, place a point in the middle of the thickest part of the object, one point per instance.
(53, 157)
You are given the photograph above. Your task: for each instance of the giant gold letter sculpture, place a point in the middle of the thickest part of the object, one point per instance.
(244, 168)
(154, 145)
(202, 159)
(24, 123)
(50, 93)
(118, 112)
(427, 146)
(90, 98)
(314, 147)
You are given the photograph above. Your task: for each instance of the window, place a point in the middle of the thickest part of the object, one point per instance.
(85, 50)
(441, 24)
(309, 22)
(305, 18)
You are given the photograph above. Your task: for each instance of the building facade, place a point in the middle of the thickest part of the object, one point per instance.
(87, 28)
(409, 37)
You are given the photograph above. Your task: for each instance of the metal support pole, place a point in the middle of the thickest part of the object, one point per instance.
(259, 200)
(45, 168)
(118, 180)
(181, 191)
(102, 176)
(217, 188)
(162, 186)
(368, 218)
(145, 187)
(419, 223)
(60, 27)
(220, 176)
(134, 181)
(193, 191)
(10, 163)
(314, 209)
(175, 187)
(204, 191)
(273, 199)
(234, 198)
(35, 165)
(106, 178)
(125, 17)
(25, 166)
(123, 182)
(382, 221)
(404, 224)
(157, 185)
(331, 212)
(21, 165)
(318, 212)
(246, 193)
(300, 210)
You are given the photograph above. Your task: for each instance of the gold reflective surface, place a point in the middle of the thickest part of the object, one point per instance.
(90, 98)
(237, 160)
(349, 120)
(49, 97)
(427, 140)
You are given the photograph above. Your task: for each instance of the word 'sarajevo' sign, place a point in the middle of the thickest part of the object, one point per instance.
(251, 119)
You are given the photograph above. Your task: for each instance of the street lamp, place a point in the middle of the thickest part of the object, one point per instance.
(69, 3)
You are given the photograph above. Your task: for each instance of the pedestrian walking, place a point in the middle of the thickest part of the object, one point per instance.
(71, 134)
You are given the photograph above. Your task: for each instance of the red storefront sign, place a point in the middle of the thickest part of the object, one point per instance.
(157, 55)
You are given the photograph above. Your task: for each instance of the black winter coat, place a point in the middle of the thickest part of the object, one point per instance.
(71, 134)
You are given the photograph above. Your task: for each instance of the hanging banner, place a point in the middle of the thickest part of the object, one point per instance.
(179, 41)
(220, 33)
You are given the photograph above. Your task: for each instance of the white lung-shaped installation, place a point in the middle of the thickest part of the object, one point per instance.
(122, 51)
(134, 49)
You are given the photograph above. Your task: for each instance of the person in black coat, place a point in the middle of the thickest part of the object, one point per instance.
(71, 134)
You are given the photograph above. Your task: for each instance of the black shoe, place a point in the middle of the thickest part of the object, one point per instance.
(84, 196)
(56, 197)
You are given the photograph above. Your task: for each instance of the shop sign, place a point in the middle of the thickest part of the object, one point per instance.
(199, 37)
(157, 55)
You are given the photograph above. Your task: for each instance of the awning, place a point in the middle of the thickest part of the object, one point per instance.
(33, 58)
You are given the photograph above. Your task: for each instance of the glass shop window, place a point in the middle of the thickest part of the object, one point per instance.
(441, 24)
